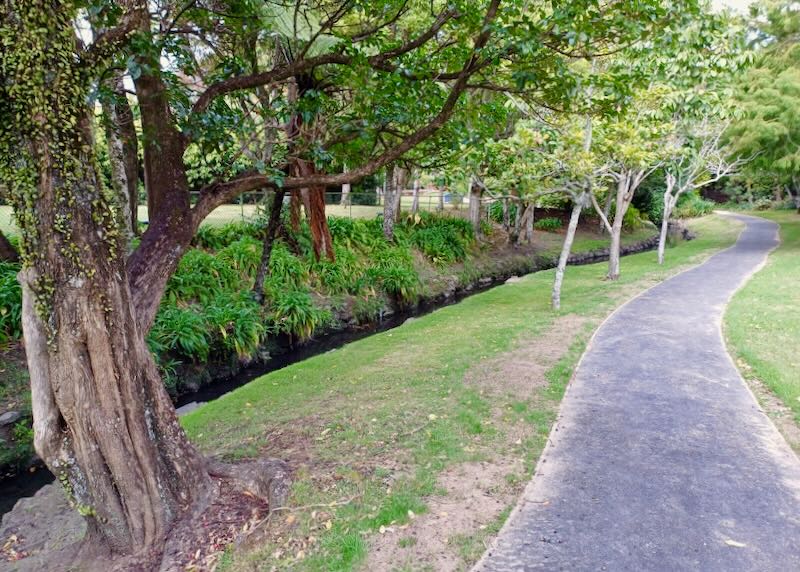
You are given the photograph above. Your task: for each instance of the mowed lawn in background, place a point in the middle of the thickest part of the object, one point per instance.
(371, 427)
(547, 242)
(762, 323)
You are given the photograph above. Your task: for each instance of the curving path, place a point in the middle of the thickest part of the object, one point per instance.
(661, 458)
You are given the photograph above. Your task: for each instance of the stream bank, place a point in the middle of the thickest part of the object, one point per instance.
(213, 380)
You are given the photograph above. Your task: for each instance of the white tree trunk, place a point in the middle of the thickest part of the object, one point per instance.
(388, 203)
(415, 199)
(345, 201)
(531, 212)
(475, 195)
(669, 204)
(565, 252)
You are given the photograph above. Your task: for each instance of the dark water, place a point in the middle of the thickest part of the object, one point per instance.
(26, 483)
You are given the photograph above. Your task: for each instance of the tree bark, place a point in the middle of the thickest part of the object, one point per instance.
(345, 200)
(415, 197)
(607, 210)
(627, 183)
(566, 249)
(103, 421)
(529, 220)
(669, 204)
(506, 215)
(662, 240)
(440, 206)
(7, 251)
(398, 193)
(269, 239)
(475, 196)
(119, 174)
(388, 202)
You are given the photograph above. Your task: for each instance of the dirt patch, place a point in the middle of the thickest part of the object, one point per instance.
(476, 493)
(521, 371)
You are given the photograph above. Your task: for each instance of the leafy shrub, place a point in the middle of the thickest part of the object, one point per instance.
(345, 275)
(693, 205)
(496, 211)
(285, 268)
(442, 244)
(393, 269)
(548, 224)
(443, 239)
(217, 237)
(632, 219)
(236, 323)
(294, 313)
(363, 234)
(181, 331)
(10, 303)
(243, 255)
(200, 276)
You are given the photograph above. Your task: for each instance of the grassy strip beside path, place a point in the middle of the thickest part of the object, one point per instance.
(762, 327)
(412, 445)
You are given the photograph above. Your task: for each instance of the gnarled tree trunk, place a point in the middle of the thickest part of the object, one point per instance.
(103, 421)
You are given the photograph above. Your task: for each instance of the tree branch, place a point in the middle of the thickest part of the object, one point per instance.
(218, 193)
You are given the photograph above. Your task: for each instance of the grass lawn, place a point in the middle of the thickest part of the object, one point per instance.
(762, 323)
(411, 446)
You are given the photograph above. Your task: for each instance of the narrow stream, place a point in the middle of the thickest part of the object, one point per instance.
(27, 483)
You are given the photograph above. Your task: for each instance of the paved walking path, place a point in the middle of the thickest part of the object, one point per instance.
(662, 459)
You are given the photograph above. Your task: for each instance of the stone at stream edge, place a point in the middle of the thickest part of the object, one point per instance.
(47, 529)
(9, 418)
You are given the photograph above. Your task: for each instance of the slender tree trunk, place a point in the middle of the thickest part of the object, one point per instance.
(398, 193)
(388, 203)
(345, 200)
(269, 239)
(506, 215)
(796, 193)
(415, 197)
(522, 224)
(607, 210)
(566, 249)
(475, 196)
(613, 252)
(662, 239)
(627, 184)
(7, 251)
(440, 207)
(529, 223)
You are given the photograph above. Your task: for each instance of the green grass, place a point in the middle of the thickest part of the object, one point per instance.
(375, 423)
(762, 322)
(228, 213)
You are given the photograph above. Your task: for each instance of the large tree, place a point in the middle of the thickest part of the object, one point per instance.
(323, 83)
